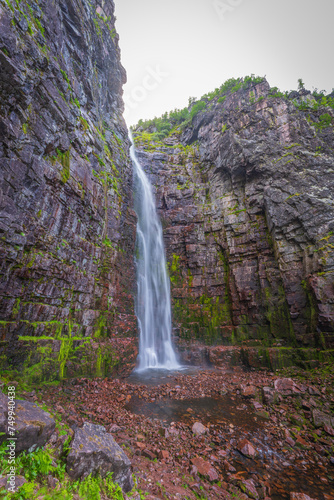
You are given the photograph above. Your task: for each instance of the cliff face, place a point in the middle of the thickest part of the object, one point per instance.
(245, 192)
(67, 229)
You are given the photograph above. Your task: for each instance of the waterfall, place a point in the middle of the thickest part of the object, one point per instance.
(153, 305)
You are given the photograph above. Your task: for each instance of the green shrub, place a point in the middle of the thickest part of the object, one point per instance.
(199, 106)
(168, 122)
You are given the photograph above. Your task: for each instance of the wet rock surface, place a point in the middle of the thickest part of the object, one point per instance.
(67, 229)
(245, 192)
(286, 454)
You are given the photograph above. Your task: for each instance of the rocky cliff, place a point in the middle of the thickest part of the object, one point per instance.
(67, 229)
(244, 185)
(245, 190)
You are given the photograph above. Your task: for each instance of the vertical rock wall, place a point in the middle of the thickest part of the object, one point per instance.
(67, 227)
(245, 192)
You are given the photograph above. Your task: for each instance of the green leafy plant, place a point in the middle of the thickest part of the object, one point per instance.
(301, 84)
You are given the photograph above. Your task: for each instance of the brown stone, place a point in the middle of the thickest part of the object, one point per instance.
(290, 441)
(246, 448)
(268, 395)
(228, 467)
(163, 432)
(329, 430)
(300, 496)
(321, 419)
(149, 454)
(205, 469)
(249, 391)
(164, 454)
(302, 442)
(286, 386)
(248, 487)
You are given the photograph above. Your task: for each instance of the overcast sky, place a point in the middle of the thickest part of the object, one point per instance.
(174, 49)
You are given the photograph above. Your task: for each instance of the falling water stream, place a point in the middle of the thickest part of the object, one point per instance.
(153, 309)
(153, 305)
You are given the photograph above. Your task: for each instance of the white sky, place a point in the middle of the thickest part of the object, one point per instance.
(173, 49)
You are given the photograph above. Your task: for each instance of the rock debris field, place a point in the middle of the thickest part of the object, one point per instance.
(214, 434)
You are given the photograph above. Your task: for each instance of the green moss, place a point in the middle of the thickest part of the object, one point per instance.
(99, 364)
(66, 78)
(100, 328)
(278, 315)
(107, 242)
(16, 308)
(174, 269)
(65, 349)
(28, 338)
(98, 28)
(84, 123)
(10, 5)
(64, 159)
(31, 262)
(291, 196)
(39, 26)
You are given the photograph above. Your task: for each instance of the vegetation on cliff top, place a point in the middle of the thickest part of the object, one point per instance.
(160, 128)
(182, 117)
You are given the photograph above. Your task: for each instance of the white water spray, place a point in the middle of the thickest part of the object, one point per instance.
(153, 306)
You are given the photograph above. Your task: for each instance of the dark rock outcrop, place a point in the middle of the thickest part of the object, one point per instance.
(94, 451)
(33, 426)
(245, 193)
(67, 229)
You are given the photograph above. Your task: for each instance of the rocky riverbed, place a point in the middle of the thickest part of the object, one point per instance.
(223, 433)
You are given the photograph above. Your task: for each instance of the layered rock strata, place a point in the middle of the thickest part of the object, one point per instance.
(245, 192)
(67, 228)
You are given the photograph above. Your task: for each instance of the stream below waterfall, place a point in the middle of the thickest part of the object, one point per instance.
(229, 418)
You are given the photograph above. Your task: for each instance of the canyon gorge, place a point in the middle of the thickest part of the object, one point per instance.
(231, 199)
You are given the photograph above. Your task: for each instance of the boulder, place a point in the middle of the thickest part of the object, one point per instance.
(287, 387)
(248, 391)
(329, 430)
(314, 391)
(33, 426)
(205, 469)
(93, 451)
(199, 429)
(268, 395)
(248, 487)
(320, 419)
(246, 448)
(19, 481)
